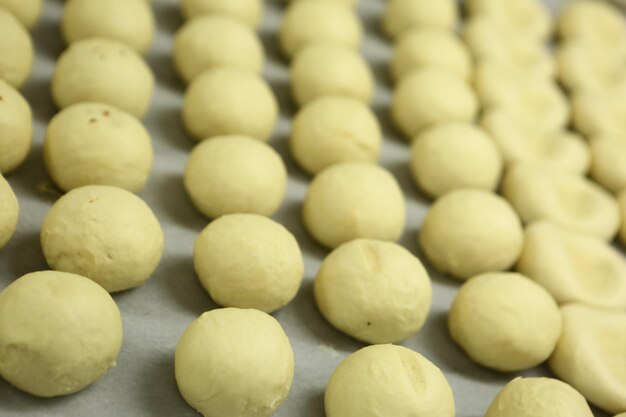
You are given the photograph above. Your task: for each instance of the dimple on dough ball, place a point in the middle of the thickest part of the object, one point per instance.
(528, 17)
(105, 233)
(105, 71)
(230, 101)
(312, 21)
(538, 397)
(590, 355)
(454, 155)
(234, 363)
(354, 200)
(429, 96)
(59, 333)
(333, 129)
(374, 291)
(326, 69)
(593, 20)
(249, 12)
(97, 144)
(249, 261)
(470, 231)
(608, 169)
(403, 15)
(16, 50)
(16, 128)
(600, 112)
(585, 65)
(235, 174)
(9, 210)
(27, 11)
(388, 380)
(233, 44)
(622, 204)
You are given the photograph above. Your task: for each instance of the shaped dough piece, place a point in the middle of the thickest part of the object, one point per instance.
(59, 333)
(622, 205)
(600, 112)
(16, 50)
(586, 65)
(388, 380)
(249, 12)
(470, 231)
(590, 355)
(27, 11)
(249, 261)
(330, 130)
(593, 20)
(9, 210)
(374, 291)
(16, 128)
(574, 267)
(403, 15)
(528, 17)
(607, 168)
(234, 363)
(351, 3)
(567, 200)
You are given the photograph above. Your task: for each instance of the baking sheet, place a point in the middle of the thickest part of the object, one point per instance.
(156, 314)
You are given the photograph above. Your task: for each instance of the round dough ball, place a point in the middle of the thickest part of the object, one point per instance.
(330, 130)
(16, 50)
(105, 71)
(97, 144)
(538, 397)
(249, 12)
(128, 21)
(600, 112)
(374, 291)
(326, 69)
(249, 261)
(429, 96)
(16, 128)
(403, 15)
(104, 233)
(622, 205)
(505, 321)
(234, 45)
(388, 380)
(593, 20)
(454, 155)
(27, 11)
(326, 21)
(608, 154)
(234, 363)
(235, 174)
(9, 210)
(354, 200)
(230, 101)
(532, 18)
(471, 231)
(59, 333)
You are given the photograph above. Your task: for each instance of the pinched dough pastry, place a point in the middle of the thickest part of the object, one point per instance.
(9, 210)
(27, 11)
(16, 50)
(16, 128)
(600, 112)
(528, 17)
(593, 20)
(622, 205)
(374, 291)
(249, 12)
(403, 15)
(608, 166)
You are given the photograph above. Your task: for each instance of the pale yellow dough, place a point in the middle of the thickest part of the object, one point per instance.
(249, 12)
(588, 65)
(351, 3)
(608, 167)
(600, 112)
(16, 128)
(403, 15)
(622, 205)
(16, 50)
(27, 11)
(528, 17)
(592, 20)
(9, 212)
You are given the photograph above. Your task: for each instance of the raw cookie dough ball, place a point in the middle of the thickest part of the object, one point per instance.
(27, 11)
(593, 20)
(471, 231)
(9, 209)
(332, 129)
(374, 291)
(326, 21)
(249, 261)
(234, 363)
(249, 12)
(528, 17)
(429, 96)
(585, 65)
(454, 155)
(229, 101)
(326, 69)
(97, 144)
(608, 169)
(104, 233)
(403, 15)
(16, 128)
(235, 174)
(622, 205)
(505, 321)
(59, 333)
(105, 71)
(354, 200)
(16, 50)
(388, 380)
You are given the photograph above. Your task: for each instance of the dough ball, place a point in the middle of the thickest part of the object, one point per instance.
(471, 231)
(249, 261)
(234, 363)
(332, 129)
(568, 200)
(351, 3)
(531, 18)
(104, 233)
(27, 11)
(230, 101)
(97, 144)
(403, 15)
(354, 200)
(374, 291)
(233, 45)
(59, 333)
(454, 155)
(429, 96)
(325, 21)
(235, 174)
(128, 21)
(590, 355)
(388, 380)
(9, 209)
(326, 69)
(585, 65)
(16, 128)
(607, 168)
(16, 50)
(574, 267)
(622, 205)
(538, 397)
(106, 71)
(600, 112)
(249, 12)
(594, 20)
